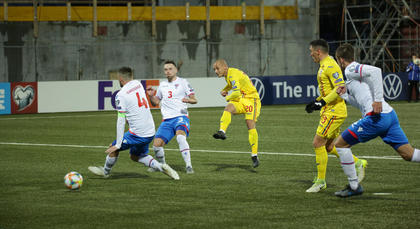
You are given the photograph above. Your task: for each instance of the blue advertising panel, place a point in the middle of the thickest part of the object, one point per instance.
(286, 89)
(302, 89)
(395, 86)
(5, 98)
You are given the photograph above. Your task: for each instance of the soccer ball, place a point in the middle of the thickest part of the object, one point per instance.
(417, 61)
(73, 180)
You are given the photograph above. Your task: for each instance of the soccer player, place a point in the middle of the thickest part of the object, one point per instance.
(333, 112)
(132, 106)
(173, 96)
(364, 90)
(244, 99)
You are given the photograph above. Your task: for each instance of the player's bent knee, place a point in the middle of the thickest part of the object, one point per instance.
(406, 156)
(230, 108)
(406, 151)
(158, 142)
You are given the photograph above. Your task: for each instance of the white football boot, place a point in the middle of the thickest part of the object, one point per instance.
(99, 171)
(170, 172)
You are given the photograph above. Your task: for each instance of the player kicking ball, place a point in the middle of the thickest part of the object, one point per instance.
(244, 99)
(132, 106)
(173, 96)
(364, 90)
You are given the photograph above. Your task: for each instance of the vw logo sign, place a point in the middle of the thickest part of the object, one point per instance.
(258, 84)
(392, 86)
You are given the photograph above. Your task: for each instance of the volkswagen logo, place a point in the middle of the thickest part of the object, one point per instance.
(258, 84)
(392, 86)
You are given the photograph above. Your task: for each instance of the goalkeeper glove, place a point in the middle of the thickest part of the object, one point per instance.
(315, 105)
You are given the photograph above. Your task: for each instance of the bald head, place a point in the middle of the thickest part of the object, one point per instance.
(220, 67)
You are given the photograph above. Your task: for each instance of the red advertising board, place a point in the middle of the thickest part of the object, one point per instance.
(154, 84)
(24, 97)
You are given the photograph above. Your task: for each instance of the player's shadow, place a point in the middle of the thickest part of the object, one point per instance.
(124, 175)
(221, 167)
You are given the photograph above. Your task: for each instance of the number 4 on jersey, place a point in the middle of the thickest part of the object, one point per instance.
(141, 102)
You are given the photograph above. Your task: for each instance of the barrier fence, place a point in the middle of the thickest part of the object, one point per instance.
(97, 95)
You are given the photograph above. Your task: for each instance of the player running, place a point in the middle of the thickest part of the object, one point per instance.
(243, 100)
(173, 96)
(132, 106)
(333, 112)
(365, 91)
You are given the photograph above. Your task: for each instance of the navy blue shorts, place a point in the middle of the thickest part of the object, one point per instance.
(385, 126)
(168, 127)
(138, 146)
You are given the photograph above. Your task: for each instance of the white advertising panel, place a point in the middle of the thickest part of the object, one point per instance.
(68, 96)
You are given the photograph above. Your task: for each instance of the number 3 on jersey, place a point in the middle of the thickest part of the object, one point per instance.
(141, 102)
(170, 94)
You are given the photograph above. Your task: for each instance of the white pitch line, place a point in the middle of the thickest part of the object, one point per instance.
(197, 150)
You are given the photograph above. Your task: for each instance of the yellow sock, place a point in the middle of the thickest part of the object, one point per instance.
(253, 141)
(225, 120)
(321, 161)
(334, 151)
(355, 159)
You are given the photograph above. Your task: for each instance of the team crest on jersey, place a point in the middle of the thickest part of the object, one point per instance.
(357, 68)
(335, 75)
(176, 86)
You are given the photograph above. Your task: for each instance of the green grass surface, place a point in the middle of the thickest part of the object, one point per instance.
(224, 192)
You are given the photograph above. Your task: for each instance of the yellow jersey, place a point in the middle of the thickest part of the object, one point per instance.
(329, 77)
(240, 84)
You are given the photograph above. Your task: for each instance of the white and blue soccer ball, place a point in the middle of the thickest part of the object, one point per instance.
(73, 180)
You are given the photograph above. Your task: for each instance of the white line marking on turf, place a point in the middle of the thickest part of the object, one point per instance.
(382, 193)
(197, 150)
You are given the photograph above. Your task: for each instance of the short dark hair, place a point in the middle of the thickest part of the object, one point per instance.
(345, 51)
(126, 73)
(321, 44)
(171, 62)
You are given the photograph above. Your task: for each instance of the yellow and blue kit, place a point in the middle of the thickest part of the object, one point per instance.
(240, 84)
(329, 77)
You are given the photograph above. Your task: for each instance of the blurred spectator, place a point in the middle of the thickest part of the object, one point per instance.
(413, 70)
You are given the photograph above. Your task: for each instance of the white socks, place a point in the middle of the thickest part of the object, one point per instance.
(347, 163)
(416, 156)
(185, 149)
(149, 161)
(159, 154)
(109, 162)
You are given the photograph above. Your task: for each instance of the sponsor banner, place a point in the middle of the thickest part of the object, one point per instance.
(107, 91)
(24, 97)
(5, 98)
(395, 86)
(304, 88)
(286, 89)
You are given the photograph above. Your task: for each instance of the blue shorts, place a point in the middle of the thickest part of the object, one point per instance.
(138, 146)
(168, 127)
(385, 126)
